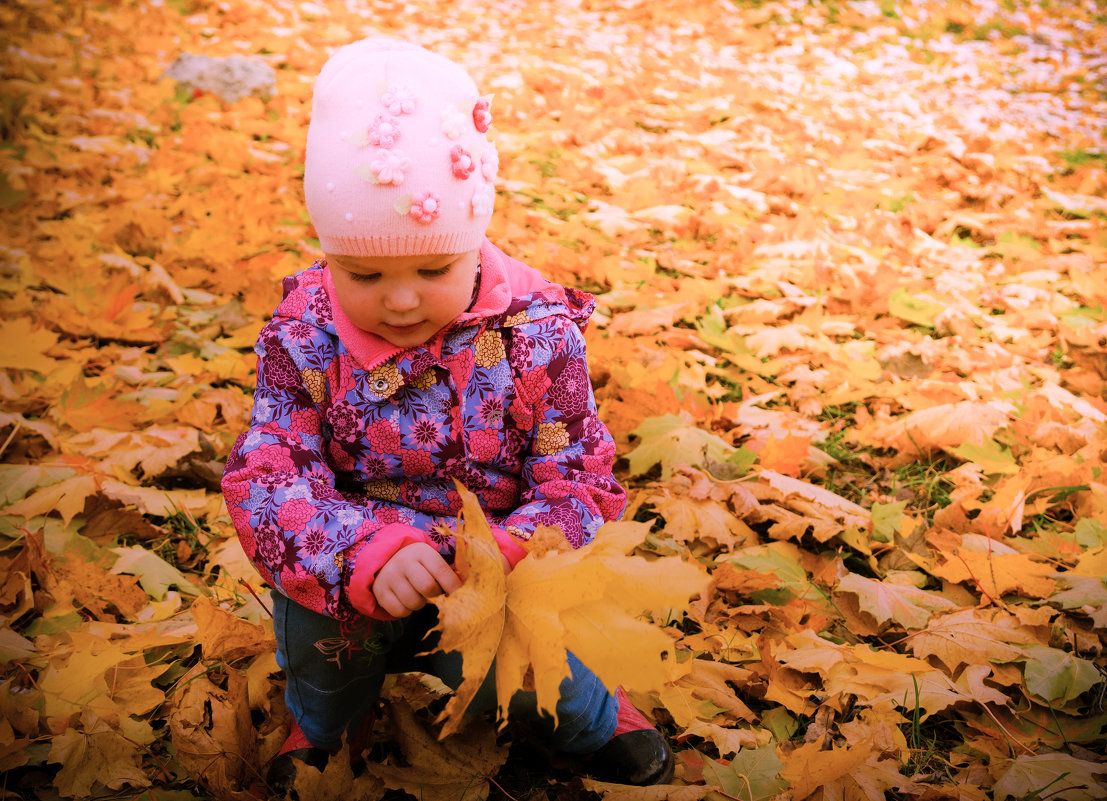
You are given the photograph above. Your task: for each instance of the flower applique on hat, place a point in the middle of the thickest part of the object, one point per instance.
(398, 159)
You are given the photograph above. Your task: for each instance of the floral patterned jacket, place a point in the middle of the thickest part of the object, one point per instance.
(354, 444)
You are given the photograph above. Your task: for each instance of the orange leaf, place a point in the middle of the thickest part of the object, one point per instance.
(784, 455)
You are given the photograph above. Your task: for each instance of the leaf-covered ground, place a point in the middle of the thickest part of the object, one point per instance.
(850, 261)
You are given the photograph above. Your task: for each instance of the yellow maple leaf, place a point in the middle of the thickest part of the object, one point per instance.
(886, 601)
(968, 637)
(945, 426)
(100, 756)
(586, 601)
(810, 767)
(688, 518)
(992, 567)
(25, 345)
(471, 618)
(67, 497)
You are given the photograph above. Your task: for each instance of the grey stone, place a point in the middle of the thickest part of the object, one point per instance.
(230, 77)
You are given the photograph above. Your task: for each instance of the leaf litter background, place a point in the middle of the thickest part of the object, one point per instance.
(850, 267)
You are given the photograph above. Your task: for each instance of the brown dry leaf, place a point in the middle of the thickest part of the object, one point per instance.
(871, 780)
(224, 637)
(337, 781)
(879, 723)
(153, 449)
(810, 768)
(212, 732)
(95, 757)
(711, 681)
(967, 637)
(876, 677)
(940, 427)
(886, 601)
(727, 577)
(658, 792)
(452, 770)
(100, 592)
(727, 740)
(796, 506)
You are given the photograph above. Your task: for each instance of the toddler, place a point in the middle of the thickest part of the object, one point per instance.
(414, 354)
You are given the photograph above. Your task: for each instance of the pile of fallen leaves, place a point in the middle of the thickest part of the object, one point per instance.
(850, 263)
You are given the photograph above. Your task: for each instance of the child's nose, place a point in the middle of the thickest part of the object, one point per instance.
(401, 299)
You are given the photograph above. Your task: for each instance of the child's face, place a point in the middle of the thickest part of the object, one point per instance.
(404, 299)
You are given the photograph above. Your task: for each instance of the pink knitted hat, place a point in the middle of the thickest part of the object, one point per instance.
(398, 163)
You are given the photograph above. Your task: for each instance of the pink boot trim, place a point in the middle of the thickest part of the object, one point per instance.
(629, 718)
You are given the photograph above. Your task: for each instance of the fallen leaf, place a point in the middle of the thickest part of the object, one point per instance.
(1058, 775)
(908, 606)
(965, 637)
(98, 758)
(154, 574)
(672, 440)
(224, 637)
(453, 770)
(755, 774)
(1056, 676)
(212, 732)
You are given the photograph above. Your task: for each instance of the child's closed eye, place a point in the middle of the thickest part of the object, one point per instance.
(364, 277)
(435, 273)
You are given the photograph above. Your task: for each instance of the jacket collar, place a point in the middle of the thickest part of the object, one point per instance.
(501, 279)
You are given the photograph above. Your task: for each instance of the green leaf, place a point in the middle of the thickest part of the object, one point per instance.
(790, 573)
(1034, 777)
(752, 775)
(1090, 533)
(744, 458)
(1079, 591)
(990, 455)
(713, 330)
(9, 196)
(1054, 675)
(154, 574)
(780, 722)
(670, 440)
(914, 310)
(887, 519)
(16, 480)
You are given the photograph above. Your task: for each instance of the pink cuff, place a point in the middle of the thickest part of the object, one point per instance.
(382, 547)
(511, 548)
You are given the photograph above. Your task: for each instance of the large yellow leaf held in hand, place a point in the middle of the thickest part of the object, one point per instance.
(471, 619)
(590, 601)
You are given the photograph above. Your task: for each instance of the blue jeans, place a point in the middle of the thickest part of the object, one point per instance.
(335, 670)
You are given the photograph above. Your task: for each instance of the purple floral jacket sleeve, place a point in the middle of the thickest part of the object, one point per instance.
(342, 466)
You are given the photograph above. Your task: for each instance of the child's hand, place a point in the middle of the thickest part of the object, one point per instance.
(415, 574)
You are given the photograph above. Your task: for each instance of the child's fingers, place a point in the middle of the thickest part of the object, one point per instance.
(400, 599)
(441, 573)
